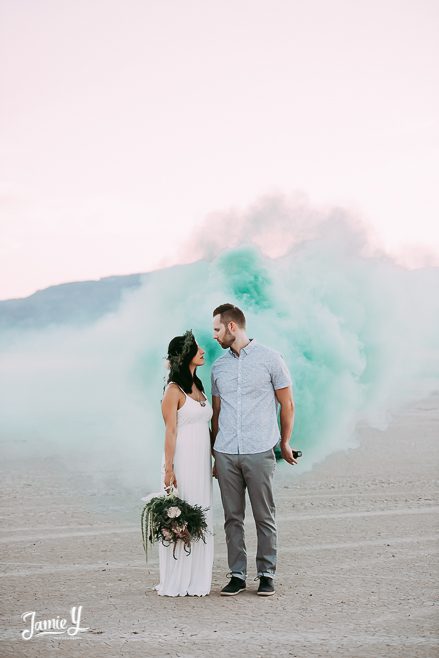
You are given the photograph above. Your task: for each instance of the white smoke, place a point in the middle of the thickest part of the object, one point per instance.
(359, 334)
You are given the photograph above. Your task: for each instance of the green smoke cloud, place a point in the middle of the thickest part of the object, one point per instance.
(357, 331)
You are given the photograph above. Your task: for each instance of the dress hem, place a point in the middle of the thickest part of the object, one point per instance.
(176, 595)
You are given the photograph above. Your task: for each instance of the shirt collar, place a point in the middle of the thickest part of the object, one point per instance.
(245, 349)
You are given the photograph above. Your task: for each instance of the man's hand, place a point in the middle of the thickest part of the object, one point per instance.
(287, 453)
(214, 470)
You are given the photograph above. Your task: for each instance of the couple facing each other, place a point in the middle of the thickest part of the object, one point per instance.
(249, 382)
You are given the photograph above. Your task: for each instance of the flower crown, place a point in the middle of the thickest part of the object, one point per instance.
(176, 360)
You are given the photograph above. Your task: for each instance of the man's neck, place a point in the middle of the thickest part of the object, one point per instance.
(239, 343)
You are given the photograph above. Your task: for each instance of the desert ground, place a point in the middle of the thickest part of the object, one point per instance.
(357, 569)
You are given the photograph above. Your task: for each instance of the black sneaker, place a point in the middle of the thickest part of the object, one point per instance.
(266, 587)
(235, 586)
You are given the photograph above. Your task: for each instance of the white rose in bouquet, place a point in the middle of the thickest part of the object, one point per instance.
(173, 512)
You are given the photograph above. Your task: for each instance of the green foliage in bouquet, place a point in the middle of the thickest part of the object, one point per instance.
(170, 519)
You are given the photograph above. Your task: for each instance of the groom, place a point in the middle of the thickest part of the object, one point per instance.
(248, 382)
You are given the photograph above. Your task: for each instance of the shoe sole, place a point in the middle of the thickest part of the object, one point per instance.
(232, 593)
(265, 593)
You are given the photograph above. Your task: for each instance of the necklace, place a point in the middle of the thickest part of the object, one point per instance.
(202, 401)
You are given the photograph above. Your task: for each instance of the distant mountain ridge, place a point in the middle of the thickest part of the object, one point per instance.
(75, 303)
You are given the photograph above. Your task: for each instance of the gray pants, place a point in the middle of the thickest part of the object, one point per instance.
(255, 472)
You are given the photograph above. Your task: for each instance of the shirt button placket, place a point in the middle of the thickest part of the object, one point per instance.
(239, 405)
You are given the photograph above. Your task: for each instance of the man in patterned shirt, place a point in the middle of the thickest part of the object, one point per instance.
(249, 382)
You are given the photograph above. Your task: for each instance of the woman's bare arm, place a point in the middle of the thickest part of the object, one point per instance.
(169, 411)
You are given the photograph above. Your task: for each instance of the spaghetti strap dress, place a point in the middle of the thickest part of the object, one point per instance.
(190, 574)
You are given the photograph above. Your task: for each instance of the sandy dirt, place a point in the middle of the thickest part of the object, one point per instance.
(357, 568)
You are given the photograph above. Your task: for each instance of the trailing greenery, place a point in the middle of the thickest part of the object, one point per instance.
(170, 519)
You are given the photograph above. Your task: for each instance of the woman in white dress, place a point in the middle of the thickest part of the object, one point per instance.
(187, 466)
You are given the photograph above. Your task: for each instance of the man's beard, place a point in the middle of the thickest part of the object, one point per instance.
(227, 341)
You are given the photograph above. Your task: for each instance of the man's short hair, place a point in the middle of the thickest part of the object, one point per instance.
(230, 313)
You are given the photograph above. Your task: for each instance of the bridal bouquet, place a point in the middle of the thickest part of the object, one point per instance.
(170, 519)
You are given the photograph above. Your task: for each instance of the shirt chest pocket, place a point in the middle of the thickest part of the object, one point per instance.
(256, 379)
(227, 383)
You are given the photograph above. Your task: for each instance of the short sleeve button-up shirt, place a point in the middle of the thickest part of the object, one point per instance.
(246, 385)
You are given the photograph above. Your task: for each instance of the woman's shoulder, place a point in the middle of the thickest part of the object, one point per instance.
(172, 396)
(173, 389)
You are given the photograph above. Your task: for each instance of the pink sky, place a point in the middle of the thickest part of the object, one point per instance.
(123, 125)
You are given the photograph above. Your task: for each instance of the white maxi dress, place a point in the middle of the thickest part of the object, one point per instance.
(190, 574)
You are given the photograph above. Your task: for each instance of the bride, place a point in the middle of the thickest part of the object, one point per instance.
(187, 466)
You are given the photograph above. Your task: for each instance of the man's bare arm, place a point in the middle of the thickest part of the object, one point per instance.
(285, 398)
(216, 406)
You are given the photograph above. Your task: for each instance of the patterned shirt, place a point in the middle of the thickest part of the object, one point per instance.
(246, 385)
